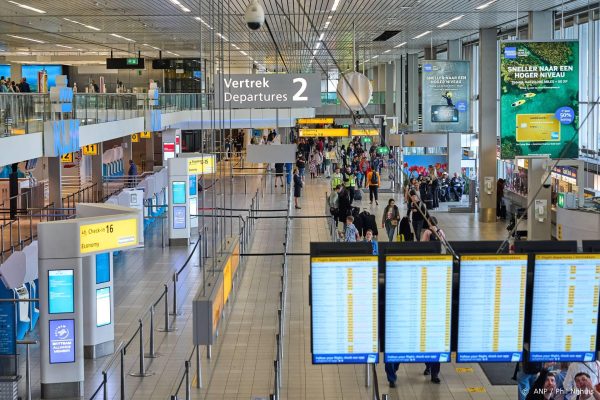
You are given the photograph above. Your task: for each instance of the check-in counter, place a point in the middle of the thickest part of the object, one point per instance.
(577, 224)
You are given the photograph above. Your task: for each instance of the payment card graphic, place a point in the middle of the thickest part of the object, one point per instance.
(538, 128)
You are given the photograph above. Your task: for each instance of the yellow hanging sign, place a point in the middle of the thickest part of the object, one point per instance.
(311, 121)
(66, 158)
(365, 132)
(90, 150)
(324, 132)
(146, 135)
(135, 138)
(106, 236)
(201, 165)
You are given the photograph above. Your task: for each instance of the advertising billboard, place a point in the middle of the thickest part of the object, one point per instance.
(539, 97)
(61, 293)
(446, 92)
(103, 308)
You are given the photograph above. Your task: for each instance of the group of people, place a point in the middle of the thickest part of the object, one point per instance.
(558, 381)
(436, 187)
(9, 86)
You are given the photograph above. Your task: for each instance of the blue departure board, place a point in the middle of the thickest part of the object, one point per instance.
(564, 321)
(491, 310)
(344, 312)
(418, 308)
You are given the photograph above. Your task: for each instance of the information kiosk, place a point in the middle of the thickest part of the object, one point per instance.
(564, 321)
(491, 311)
(67, 318)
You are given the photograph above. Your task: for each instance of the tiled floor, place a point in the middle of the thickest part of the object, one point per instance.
(242, 362)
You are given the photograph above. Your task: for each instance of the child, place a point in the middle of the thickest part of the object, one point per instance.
(312, 166)
(350, 231)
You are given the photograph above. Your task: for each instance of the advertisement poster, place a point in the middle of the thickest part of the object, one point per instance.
(62, 341)
(178, 189)
(446, 92)
(539, 97)
(179, 217)
(61, 291)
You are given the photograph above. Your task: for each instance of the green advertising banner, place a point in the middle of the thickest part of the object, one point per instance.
(539, 99)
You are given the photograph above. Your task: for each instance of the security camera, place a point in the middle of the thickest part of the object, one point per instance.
(255, 16)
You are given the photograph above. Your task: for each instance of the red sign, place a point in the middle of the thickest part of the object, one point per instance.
(169, 147)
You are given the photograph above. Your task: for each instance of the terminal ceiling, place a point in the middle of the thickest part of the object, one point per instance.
(70, 30)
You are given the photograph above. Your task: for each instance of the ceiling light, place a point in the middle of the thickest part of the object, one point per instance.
(400, 45)
(374, 57)
(26, 38)
(336, 3)
(82, 24)
(422, 34)
(234, 46)
(178, 3)
(37, 10)
(152, 47)
(318, 45)
(221, 36)
(122, 37)
(451, 21)
(243, 52)
(322, 36)
(329, 17)
(204, 22)
(63, 46)
(387, 51)
(486, 5)
(326, 25)
(173, 54)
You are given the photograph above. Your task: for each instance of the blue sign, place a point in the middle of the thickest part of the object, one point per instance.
(510, 52)
(31, 73)
(416, 357)
(66, 136)
(7, 323)
(566, 115)
(179, 217)
(366, 358)
(61, 295)
(461, 106)
(427, 67)
(178, 189)
(155, 120)
(193, 185)
(489, 357)
(62, 341)
(102, 268)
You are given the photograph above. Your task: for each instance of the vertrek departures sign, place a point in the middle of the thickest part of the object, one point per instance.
(268, 91)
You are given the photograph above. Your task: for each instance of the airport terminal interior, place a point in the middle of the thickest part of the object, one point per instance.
(300, 199)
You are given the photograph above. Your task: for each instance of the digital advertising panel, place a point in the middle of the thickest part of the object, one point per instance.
(103, 308)
(566, 295)
(539, 99)
(418, 308)
(446, 93)
(61, 291)
(102, 268)
(178, 190)
(491, 311)
(62, 341)
(179, 217)
(344, 310)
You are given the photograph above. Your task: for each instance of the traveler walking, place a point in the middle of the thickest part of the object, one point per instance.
(389, 221)
(373, 181)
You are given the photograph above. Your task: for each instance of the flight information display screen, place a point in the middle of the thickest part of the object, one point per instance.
(564, 321)
(344, 306)
(418, 307)
(491, 311)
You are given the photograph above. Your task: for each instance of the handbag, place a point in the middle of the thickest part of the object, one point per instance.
(394, 222)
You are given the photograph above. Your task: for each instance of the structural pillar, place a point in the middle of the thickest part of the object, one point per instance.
(412, 88)
(399, 88)
(54, 181)
(149, 150)
(430, 53)
(127, 152)
(454, 138)
(488, 123)
(97, 172)
(541, 25)
(389, 97)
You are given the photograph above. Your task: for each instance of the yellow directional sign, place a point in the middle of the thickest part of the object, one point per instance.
(135, 138)
(112, 235)
(201, 165)
(324, 132)
(90, 150)
(145, 135)
(66, 158)
(365, 132)
(314, 121)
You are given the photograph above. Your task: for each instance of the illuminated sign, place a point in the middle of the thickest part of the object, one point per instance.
(344, 304)
(324, 132)
(106, 236)
(201, 165)
(314, 121)
(168, 151)
(103, 314)
(146, 135)
(227, 279)
(179, 217)
(62, 341)
(102, 268)
(217, 307)
(132, 61)
(61, 291)
(66, 158)
(90, 150)
(60, 137)
(135, 138)
(365, 132)
(178, 192)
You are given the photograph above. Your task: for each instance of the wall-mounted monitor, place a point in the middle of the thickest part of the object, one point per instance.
(179, 217)
(178, 191)
(193, 185)
(344, 310)
(30, 72)
(564, 319)
(103, 308)
(491, 312)
(61, 341)
(418, 308)
(61, 291)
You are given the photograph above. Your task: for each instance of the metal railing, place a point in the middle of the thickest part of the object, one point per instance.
(246, 228)
(88, 194)
(139, 333)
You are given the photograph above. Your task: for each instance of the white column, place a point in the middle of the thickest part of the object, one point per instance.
(54, 181)
(488, 122)
(454, 139)
(413, 91)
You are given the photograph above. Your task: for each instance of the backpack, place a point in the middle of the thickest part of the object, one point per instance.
(374, 178)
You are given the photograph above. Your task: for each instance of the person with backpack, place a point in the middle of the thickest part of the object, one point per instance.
(373, 180)
(389, 221)
(418, 214)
